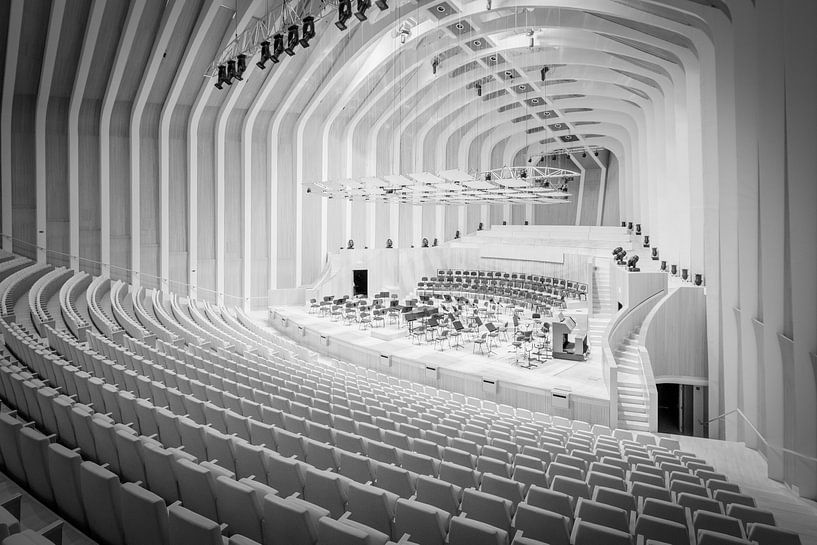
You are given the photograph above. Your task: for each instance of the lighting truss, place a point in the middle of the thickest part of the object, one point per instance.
(278, 20)
(514, 185)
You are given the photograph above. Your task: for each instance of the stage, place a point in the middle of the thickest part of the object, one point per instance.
(579, 386)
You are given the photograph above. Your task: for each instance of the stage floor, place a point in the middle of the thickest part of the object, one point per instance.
(582, 378)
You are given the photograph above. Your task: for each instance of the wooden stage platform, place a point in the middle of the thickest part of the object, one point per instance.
(495, 377)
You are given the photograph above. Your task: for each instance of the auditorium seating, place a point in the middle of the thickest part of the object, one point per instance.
(250, 430)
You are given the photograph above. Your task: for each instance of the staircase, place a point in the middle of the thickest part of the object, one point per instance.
(633, 410)
(603, 309)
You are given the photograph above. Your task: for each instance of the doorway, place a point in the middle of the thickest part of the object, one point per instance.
(360, 282)
(682, 409)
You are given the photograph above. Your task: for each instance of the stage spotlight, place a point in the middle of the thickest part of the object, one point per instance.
(684, 274)
(362, 6)
(350, 245)
(277, 48)
(230, 72)
(632, 264)
(637, 228)
(663, 266)
(630, 225)
(584, 155)
(382, 4)
(435, 243)
(479, 89)
(424, 243)
(308, 31)
(457, 234)
(241, 66)
(487, 176)
(617, 250)
(292, 40)
(646, 241)
(655, 253)
(389, 243)
(504, 222)
(344, 13)
(435, 62)
(543, 72)
(222, 77)
(265, 55)
(698, 280)
(524, 174)
(479, 227)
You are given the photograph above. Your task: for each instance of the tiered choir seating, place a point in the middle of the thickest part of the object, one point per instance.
(69, 295)
(16, 285)
(41, 292)
(532, 291)
(284, 447)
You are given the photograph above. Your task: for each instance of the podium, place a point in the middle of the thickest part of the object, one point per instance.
(569, 342)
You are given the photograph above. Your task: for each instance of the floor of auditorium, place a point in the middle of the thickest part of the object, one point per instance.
(580, 377)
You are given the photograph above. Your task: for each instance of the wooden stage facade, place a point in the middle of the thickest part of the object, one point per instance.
(573, 389)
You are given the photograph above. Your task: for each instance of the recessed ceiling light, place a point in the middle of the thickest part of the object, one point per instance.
(535, 101)
(477, 43)
(523, 87)
(459, 26)
(508, 73)
(492, 58)
(441, 8)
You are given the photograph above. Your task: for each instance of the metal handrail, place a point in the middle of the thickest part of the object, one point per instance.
(759, 435)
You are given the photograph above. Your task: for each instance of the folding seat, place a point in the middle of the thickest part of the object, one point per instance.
(487, 508)
(344, 423)
(239, 507)
(556, 469)
(694, 503)
(104, 431)
(220, 448)
(196, 488)
(706, 475)
(532, 462)
(466, 531)
(529, 477)
(661, 530)
(748, 515)
(684, 477)
(289, 444)
(319, 432)
(290, 521)
(237, 425)
(425, 524)
(708, 537)
(294, 424)
(544, 498)
(726, 497)
(607, 469)
(572, 487)
(645, 490)
(663, 510)
(668, 467)
(382, 452)
(765, 534)
(326, 489)
(428, 448)
(159, 473)
(648, 478)
(45, 397)
(588, 533)
(714, 485)
(191, 436)
(348, 532)
(437, 438)
(64, 467)
(543, 525)
(355, 466)
(371, 506)
(272, 416)
(595, 479)
(145, 518)
(320, 455)
(396, 480)
(262, 434)
(487, 464)
(349, 442)
(33, 448)
(101, 499)
(249, 461)
(503, 487)
(539, 453)
(723, 524)
(459, 475)
(439, 493)
(603, 514)
(650, 469)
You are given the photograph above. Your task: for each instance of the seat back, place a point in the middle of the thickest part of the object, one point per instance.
(196, 488)
(542, 524)
(144, 516)
(465, 531)
(345, 532)
(63, 464)
(101, 498)
(426, 524)
(186, 527)
(487, 508)
(240, 507)
(327, 489)
(765, 534)
(288, 521)
(588, 533)
(371, 506)
(603, 514)
(550, 500)
(34, 452)
(723, 524)
(662, 530)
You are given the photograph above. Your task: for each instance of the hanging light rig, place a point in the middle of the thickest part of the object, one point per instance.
(281, 32)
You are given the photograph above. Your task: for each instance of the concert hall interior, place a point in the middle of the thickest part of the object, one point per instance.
(431, 272)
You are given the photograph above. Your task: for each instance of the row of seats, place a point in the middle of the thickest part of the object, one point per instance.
(359, 387)
(99, 287)
(41, 292)
(150, 322)
(119, 290)
(16, 285)
(131, 513)
(69, 295)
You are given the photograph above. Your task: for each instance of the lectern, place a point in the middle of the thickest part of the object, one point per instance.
(569, 343)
